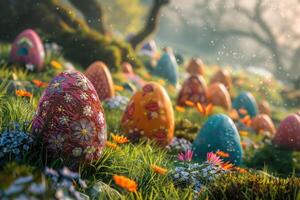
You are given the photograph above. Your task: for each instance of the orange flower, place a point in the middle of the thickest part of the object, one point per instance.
(243, 133)
(159, 170)
(23, 93)
(204, 110)
(222, 154)
(243, 111)
(125, 183)
(55, 64)
(246, 120)
(111, 145)
(227, 166)
(39, 83)
(189, 103)
(241, 170)
(120, 139)
(180, 109)
(244, 145)
(233, 114)
(118, 88)
(162, 82)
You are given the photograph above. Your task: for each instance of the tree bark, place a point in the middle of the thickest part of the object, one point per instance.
(151, 25)
(92, 12)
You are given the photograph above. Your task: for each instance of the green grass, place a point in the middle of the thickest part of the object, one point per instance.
(135, 160)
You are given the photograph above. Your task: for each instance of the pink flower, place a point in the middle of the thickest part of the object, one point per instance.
(185, 156)
(213, 159)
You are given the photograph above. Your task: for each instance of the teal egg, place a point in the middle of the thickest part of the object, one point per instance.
(246, 101)
(218, 134)
(166, 68)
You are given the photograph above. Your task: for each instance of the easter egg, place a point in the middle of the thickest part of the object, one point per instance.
(28, 49)
(222, 76)
(264, 107)
(127, 68)
(100, 77)
(245, 101)
(167, 68)
(70, 120)
(218, 134)
(263, 122)
(193, 89)
(195, 66)
(218, 95)
(149, 114)
(288, 133)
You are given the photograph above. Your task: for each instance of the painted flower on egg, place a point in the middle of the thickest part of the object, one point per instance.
(149, 114)
(69, 120)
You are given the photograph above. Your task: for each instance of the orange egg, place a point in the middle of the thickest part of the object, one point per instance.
(194, 89)
(264, 107)
(263, 122)
(149, 114)
(218, 95)
(100, 77)
(195, 66)
(222, 76)
(127, 68)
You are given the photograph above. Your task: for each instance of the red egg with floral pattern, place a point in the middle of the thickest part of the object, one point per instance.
(149, 114)
(194, 89)
(100, 77)
(70, 119)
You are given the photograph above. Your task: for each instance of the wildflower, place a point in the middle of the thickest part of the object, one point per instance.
(246, 120)
(189, 103)
(243, 133)
(180, 144)
(118, 88)
(243, 111)
(111, 145)
(55, 64)
(222, 154)
(162, 82)
(125, 183)
(240, 170)
(180, 109)
(87, 111)
(204, 110)
(213, 159)
(227, 166)
(159, 170)
(186, 156)
(119, 139)
(39, 83)
(23, 93)
(83, 129)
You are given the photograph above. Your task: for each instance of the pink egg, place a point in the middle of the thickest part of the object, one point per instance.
(288, 133)
(70, 119)
(28, 49)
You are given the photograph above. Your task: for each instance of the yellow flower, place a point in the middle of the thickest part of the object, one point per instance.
(180, 109)
(111, 145)
(118, 88)
(125, 183)
(243, 133)
(119, 139)
(159, 170)
(55, 64)
(23, 93)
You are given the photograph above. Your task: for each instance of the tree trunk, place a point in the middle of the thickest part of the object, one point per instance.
(151, 24)
(92, 12)
(81, 44)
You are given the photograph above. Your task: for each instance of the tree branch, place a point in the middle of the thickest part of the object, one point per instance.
(151, 24)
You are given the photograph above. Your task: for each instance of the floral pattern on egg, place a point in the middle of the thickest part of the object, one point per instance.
(70, 119)
(149, 114)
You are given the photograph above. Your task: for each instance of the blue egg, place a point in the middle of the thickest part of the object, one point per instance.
(167, 68)
(246, 101)
(219, 133)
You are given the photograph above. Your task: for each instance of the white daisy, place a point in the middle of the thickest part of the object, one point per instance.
(87, 111)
